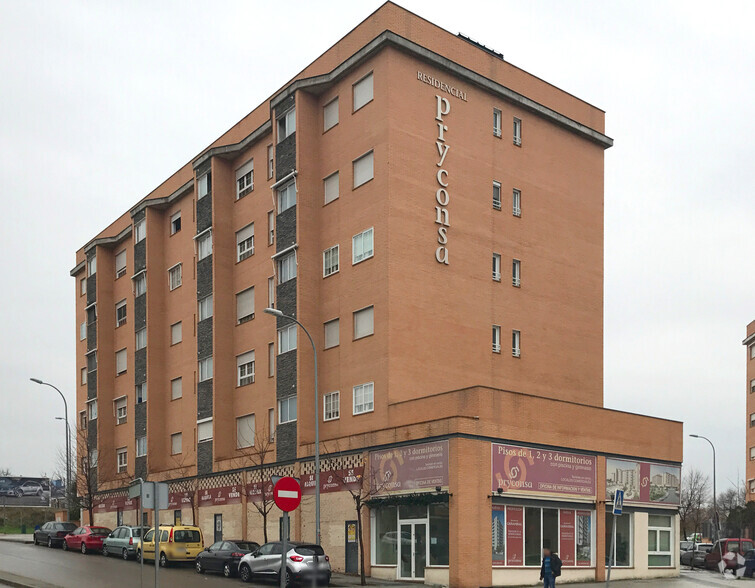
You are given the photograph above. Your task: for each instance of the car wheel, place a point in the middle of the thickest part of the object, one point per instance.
(83, 548)
(104, 551)
(227, 571)
(139, 555)
(65, 545)
(19, 493)
(34, 540)
(124, 554)
(288, 578)
(163, 560)
(198, 567)
(49, 542)
(245, 573)
(39, 492)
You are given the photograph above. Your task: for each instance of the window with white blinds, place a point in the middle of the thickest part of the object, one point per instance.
(245, 305)
(176, 442)
(120, 361)
(121, 411)
(330, 114)
(332, 333)
(363, 92)
(204, 430)
(245, 431)
(363, 169)
(245, 368)
(120, 264)
(245, 179)
(176, 389)
(245, 242)
(364, 322)
(330, 185)
(176, 333)
(330, 261)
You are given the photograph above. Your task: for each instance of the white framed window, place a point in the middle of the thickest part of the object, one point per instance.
(245, 368)
(93, 457)
(362, 246)
(287, 196)
(176, 441)
(121, 410)
(271, 292)
(245, 242)
(122, 459)
(364, 398)
(497, 267)
(175, 222)
(330, 114)
(516, 343)
(245, 179)
(516, 202)
(752, 486)
(287, 410)
(332, 337)
(497, 118)
(82, 286)
(331, 405)
(364, 322)
(120, 264)
(92, 360)
(752, 420)
(91, 265)
(752, 386)
(91, 313)
(205, 369)
(245, 305)
(271, 423)
(120, 313)
(270, 227)
(92, 409)
(752, 453)
(83, 331)
(363, 168)
(496, 338)
(287, 268)
(203, 186)
(286, 339)
(141, 446)
(204, 245)
(83, 376)
(140, 391)
(140, 231)
(270, 161)
(176, 333)
(330, 187)
(363, 92)
(752, 351)
(517, 132)
(516, 273)
(140, 284)
(141, 338)
(660, 541)
(245, 431)
(204, 308)
(204, 430)
(330, 261)
(497, 195)
(176, 388)
(121, 361)
(287, 124)
(270, 360)
(175, 276)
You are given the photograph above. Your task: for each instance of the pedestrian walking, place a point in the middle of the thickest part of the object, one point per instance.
(550, 569)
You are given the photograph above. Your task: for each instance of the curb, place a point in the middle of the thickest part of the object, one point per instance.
(22, 582)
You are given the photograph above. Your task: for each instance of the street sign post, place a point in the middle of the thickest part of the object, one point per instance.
(618, 507)
(287, 497)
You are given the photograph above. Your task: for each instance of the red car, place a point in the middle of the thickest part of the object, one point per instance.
(730, 548)
(86, 539)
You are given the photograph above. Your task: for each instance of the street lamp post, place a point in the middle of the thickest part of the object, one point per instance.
(68, 437)
(715, 508)
(68, 458)
(278, 313)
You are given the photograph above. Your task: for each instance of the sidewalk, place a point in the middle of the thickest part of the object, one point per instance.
(18, 538)
(348, 580)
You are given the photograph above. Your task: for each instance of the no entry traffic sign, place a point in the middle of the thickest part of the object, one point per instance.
(287, 494)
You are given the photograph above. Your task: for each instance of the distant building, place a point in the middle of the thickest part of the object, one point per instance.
(749, 344)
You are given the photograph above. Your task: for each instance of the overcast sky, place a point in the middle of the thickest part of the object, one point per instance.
(101, 101)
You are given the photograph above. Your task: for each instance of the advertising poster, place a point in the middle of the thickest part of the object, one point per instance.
(220, 496)
(255, 491)
(566, 537)
(178, 500)
(499, 535)
(333, 481)
(24, 491)
(411, 467)
(515, 536)
(643, 481)
(543, 471)
(583, 530)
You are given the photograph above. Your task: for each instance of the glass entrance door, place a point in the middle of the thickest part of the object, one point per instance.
(413, 550)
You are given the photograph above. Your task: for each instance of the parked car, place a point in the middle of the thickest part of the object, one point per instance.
(123, 541)
(224, 556)
(52, 533)
(86, 539)
(686, 545)
(738, 545)
(303, 559)
(177, 543)
(696, 555)
(749, 563)
(28, 488)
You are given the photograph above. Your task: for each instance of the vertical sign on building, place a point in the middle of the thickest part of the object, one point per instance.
(566, 537)
(583, 530)
(442, 108)
(515, 536)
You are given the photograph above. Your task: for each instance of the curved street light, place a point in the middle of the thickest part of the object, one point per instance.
(68, 440)
(715, 508)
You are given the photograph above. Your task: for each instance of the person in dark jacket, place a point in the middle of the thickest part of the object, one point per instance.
(550, 569)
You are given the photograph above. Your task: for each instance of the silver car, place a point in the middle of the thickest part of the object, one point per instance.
(303, 560)
(27, 489)
(123, 542)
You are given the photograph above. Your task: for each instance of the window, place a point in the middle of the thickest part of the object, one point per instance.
(287, 410)
(120, 361)
(752, 453)
(497, 267)
(176, 333)
(752, 420)
(659, 541)
(176, 440)
(245, 305)
(363, 92)
(496, 339)
(83, 422)
(245, 431)
(203, 186)
(287, 268)
(174, 276)
(363, 169)
(205, 369)
(121, 411)
(330, 114)
(140, 285)
(204, 430)
(92, 361)
(516, 273)
(176, 388)
(91, 265)
(623, 546)
(120, 264)
(83, 376)
(752, 486)
(330, 185)
(331, 406)
(332, 333)
(330, 261)
(271, 423)
(385, 523)
(364, 398)
(287, 196)
(752, 351)
(516, 202)
(245, 242)
(82, 286)
(91, 314)
(141, 392)
(270, 161)
(205, 308)
(286, 339)
(141, 446)
(287, 124)
(122, 459)
(364, 322)
(141, 338)
(120, 313)
(245, 179)
(94, 457)
(496, 122)
(497, 195)
(270, 360)
(204, 245)
(362, 246)
(92, 409)
(175, 223)
(752, 386)
(140, 231)
(516, 338)
(270, 227)
(245, 368)
(271, 292)
(82, 331)
(517, 132)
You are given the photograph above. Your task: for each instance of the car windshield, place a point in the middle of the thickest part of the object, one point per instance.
(246, 546)
(136, 532)
(746, 545)
(101, 531)
(65, 526)
(309, 550)
(186, 536)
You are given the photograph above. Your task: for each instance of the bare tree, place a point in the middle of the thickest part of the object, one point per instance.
(85, 474)
(254, 459)
(694, 497)
(188, 483)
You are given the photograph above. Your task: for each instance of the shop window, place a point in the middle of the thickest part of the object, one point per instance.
(583, 532)
(439, 534)
(623, 548)
(659, 541)
(532, 533)
(550, 529)
(412, 511)
(385, 536)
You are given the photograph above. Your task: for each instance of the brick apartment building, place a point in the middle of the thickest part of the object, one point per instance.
(749, 344)
(434, 216)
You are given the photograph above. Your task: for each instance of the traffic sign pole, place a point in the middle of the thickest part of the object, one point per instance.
(287, 497)
(618, 506)
(285, 550)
